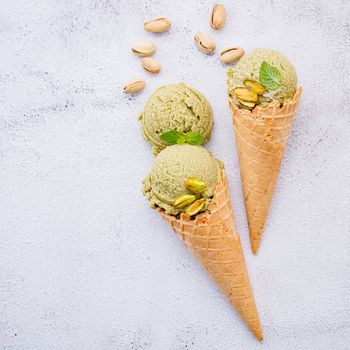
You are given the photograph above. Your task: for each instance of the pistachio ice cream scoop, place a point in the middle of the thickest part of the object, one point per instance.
(267, 74)
(178, 175)
(175, 107)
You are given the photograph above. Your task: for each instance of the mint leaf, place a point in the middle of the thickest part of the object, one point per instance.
(172, 137)
(194, 138)
(270, 77)
(181, 140)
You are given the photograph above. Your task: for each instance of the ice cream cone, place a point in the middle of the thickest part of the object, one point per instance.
(212, 239)
(261, 136)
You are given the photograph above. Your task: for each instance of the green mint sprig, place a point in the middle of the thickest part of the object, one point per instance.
(270, 77)
(174, 137)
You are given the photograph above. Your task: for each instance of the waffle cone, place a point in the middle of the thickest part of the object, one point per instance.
(261, 136)
(212, 239)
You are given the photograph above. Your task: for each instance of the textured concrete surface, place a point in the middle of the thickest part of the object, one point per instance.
(84, 263)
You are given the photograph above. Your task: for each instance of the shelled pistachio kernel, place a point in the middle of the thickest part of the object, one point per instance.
(195, 185)
(183, 201)
(244, 94)
(196, 207)
(254, 86)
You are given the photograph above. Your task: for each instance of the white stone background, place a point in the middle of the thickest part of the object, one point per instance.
(84, 263)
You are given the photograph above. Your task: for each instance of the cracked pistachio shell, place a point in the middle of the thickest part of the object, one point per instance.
(231, 55)
(150, 64)
(143, 48)
(205, 43)
(246, 105)
(157, 25)
(218, 16)
(133, 86)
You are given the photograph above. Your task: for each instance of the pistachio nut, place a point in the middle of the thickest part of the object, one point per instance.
(150, 64)
(143, 48)
(183, 201)
(196, 207)
(134, 85)
(157, 25)
(231, 55)
(254, 86)
(205, 43)
(246, 105)
(244, 94)
(195, 185)
(218, 16)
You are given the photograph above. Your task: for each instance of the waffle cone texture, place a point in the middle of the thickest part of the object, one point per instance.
(261, 136)
(212, 239)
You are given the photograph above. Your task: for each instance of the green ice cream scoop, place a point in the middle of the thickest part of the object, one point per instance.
(175, 107)
(248, 68)
(172, 167)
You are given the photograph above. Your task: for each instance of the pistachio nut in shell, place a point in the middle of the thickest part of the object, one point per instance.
(254, 86)
(183, 201)
(195, 185)
(218, 16)
(134, 85)
(157, 25)
(244, 94)
(150, 64)
(196, 207)
(231, 55)
(143, 48)
(205, 43)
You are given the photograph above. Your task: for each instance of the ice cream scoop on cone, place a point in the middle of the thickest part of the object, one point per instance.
(211, 235)
(261, 136)
(262, 129)
(213, 240)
